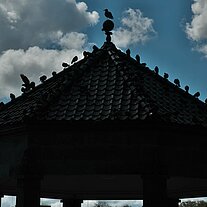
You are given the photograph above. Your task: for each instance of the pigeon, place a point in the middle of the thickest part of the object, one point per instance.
(54, 73)
(166, 76)
(186, 89)
(196, 95)
(86, 54)
(25, 80)
(156, 70)
(43, 78)
(74, 59)
(12, 96)
(32, 85)
(65, 65)
(95, 48)
(108, 14)
(128, 52)
(138, 58)
(177, 82)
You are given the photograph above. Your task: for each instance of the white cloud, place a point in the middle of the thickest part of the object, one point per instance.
(26, 23)
(136, 29)
(196, 30)
(37, 36)
(35, 62)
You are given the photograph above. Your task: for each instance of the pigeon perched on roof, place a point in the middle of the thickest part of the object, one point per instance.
(43, 78)
(186, 89)
(65, 65)
(137, 58)
(196, 95)
(166, 76)
(108, 14)
(54, 73)
(86, 54)
(177, 82)
(25, 80)
(12, 96)
(32, 85)
(74, 59)
(95, 48)
(156, 70)
(128, 52)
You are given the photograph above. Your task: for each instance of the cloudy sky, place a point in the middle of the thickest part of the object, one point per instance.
(37, 36)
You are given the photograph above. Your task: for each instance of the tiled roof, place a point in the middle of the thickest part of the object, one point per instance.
(106, 85)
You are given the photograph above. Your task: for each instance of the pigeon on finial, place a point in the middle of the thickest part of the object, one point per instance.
(74, 59)
(196, 95)
(108, 14)
(156, 70)
(186, 89)
(12, 96)
(128, 52)
(177, 82)
(166, 76)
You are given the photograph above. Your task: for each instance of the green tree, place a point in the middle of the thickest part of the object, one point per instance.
(199, 203)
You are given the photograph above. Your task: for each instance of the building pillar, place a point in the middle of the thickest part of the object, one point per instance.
(28, 191)
(173, 202)
(155, 190)
(71, 202)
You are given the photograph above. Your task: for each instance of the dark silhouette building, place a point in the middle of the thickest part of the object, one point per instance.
(107, 127)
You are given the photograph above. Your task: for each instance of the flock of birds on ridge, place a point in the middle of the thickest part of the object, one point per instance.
(27, 85)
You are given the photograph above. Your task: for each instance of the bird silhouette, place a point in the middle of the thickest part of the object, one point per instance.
(156, 70)
(95, 48)
(177, 82)
(196, 95)
(54, 73)
(12, 96)
(137, 58)
(86, 54)
(186, 89)
(65, 65)
(74, 59)
(43, 78)
(32, 85)
(25, 80)
(166, 76)
(128, 52)
(108, 14)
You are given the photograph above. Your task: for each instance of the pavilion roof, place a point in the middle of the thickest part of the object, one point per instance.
(107, 84)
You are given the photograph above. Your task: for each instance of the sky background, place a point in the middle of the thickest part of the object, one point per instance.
(37, 36)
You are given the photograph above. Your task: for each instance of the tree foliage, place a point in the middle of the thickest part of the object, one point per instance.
(199, 203)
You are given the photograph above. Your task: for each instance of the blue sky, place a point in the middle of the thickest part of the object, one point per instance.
(37, 36)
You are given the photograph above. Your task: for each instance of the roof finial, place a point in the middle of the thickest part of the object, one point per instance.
(108, 25)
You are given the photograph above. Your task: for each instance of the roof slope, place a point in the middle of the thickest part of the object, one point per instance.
(106, 85)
